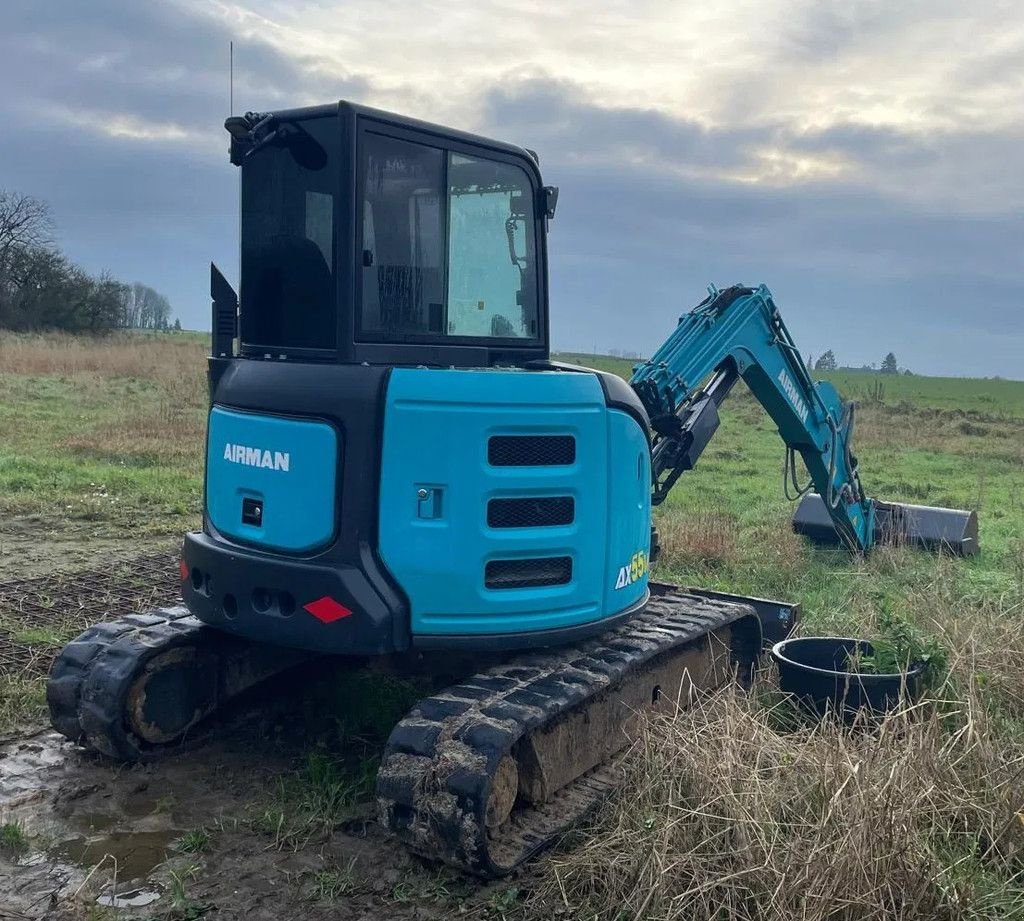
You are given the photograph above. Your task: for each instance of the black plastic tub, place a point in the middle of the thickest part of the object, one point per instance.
(814, 668)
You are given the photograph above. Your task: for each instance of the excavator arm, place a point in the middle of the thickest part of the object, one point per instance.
(739, 332)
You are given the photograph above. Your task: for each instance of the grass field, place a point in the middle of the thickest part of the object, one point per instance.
(733, 811)
(100, 439)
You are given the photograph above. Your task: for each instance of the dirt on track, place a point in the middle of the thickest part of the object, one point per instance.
(103, 840)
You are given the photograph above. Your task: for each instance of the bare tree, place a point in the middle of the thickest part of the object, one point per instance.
(40, 288)
(25, 224)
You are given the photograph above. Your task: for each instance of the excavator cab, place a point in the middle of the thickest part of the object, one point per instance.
(371, 237)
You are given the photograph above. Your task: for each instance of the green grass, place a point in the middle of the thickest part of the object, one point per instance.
(736, 488)
(956, 394)
(100, 439)
(183, 906)
(13, 840)
(22, 702)
(37, 636)
(194, 842)
(308, 804)
(437, 886)
(333, 883)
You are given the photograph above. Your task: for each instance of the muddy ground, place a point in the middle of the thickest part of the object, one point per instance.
(102, 836)
(274, 820)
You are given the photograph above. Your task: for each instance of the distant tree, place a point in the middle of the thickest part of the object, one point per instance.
(146, 308)
(104, 303)
(889, 365)
(826, 361)
(40, 288)
(49, 292)
(25, 225)
(177, 325)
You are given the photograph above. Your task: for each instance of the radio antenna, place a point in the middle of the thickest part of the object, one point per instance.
(231, 78)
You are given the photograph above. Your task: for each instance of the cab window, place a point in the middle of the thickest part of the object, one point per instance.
(288, 291)
(448, 245)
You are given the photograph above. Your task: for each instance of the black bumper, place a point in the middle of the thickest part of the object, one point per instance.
(274, 599)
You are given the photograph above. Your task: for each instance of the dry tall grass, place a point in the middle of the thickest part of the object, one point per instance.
(738, 811)
(166, 423)
(731, 817)
(701, 536)
(937, 430)
(164, 357)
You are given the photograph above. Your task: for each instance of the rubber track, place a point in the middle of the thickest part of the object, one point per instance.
(435, 776)
(90, 679)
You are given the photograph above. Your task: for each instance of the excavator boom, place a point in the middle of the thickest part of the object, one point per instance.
(738, 332)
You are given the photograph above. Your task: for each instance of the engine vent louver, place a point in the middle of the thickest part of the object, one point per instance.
(536, 512)
(531, 573)
(531, 450)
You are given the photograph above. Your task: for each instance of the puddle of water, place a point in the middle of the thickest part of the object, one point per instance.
(136, 853)
(135, 898)
(93, 821)
(139, 808)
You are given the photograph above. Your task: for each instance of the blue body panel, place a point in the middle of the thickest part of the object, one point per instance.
(287, 464)
(629, 499)
(437, 424)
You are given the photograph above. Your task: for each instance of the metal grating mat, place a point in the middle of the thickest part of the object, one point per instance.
(38, 615)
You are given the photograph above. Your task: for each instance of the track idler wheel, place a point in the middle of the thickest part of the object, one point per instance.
(147, 685)
(175, 692)
(504, 790)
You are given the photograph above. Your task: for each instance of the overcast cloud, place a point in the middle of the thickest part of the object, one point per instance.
(862, 158)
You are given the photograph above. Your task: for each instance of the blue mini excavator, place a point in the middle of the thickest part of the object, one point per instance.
(395, 467)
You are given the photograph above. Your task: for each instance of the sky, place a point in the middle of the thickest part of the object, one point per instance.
(860, 157)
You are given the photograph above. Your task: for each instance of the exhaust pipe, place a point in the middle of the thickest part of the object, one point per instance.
(950, 529)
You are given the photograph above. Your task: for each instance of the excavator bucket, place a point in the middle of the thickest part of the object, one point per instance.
(950, 529)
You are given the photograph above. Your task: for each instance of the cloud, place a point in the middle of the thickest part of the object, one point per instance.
(855, 155)
(114, 115)
(853, 265)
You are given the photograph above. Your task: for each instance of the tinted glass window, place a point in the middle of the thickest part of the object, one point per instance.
(403, 239)
(287, 291)
(448, 245)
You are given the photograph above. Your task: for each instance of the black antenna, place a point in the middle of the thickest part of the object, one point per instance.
(231, 77)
